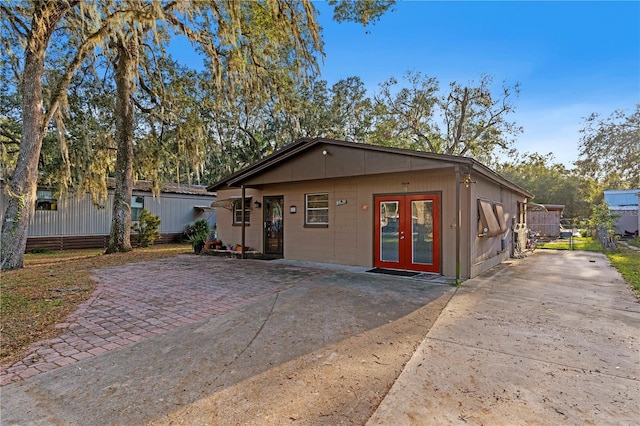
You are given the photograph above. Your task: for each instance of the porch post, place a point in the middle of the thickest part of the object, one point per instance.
(457, 225)
(242, 243)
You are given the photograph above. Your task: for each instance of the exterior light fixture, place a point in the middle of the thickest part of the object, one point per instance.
(466, 180)
(257, 204)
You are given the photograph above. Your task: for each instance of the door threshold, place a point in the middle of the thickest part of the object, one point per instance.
(395, 272)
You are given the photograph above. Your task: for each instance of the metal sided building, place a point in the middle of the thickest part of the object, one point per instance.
(348, 203)
(71, 222)
(625, 204)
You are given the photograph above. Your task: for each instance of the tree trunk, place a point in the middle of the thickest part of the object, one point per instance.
(120, 238)
(24, 183)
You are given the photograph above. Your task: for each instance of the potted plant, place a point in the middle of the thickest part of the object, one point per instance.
(213, 244)
(198, 233)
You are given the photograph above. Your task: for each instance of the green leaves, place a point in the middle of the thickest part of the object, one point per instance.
(610, 148)
(146, 228)
(551, 183)
(361, 11)
(466, 120)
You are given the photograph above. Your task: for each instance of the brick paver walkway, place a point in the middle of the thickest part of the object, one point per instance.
(140, 300)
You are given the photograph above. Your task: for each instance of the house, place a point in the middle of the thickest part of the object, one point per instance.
(544, 219)
(625, 204)
(348, 203)
(71, 222)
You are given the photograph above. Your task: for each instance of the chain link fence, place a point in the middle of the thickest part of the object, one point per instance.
(606, 237)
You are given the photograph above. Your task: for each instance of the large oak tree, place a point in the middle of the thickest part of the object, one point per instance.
(245, 43)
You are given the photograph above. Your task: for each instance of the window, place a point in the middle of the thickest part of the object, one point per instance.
(316, 209)
(45, 201)
(237, 211)
(137, 204)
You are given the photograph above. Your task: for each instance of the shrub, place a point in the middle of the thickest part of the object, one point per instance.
(198, 232)
(41, 250)
(147, 228)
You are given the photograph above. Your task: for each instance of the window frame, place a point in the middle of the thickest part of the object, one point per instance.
(45, 198)
(135, 217)
(236, 209)
(308, 210)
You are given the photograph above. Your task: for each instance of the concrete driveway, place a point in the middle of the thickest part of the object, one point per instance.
(550, 339)
(553, 339)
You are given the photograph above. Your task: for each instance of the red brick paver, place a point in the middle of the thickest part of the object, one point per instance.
(141, 300)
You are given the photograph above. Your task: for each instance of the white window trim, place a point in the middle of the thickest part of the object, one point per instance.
(308, 209)
(235, 209)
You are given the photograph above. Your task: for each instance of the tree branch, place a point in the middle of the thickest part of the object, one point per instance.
(85, 48)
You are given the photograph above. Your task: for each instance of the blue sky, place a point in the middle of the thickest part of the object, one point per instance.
(570, 58)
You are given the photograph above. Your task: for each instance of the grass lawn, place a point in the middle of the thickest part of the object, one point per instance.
(577, 243)
(50, 287)
(635, 243)
(627, 261)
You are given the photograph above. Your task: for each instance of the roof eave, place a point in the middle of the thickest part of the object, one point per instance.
(235, 180)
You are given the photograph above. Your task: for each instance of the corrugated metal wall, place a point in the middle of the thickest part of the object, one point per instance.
(78, 216)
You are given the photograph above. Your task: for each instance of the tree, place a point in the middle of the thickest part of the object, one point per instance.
(466, 120)
(551, 183)
(241, 39)
(256, 51)
(252, 48)
(45, 18)
(610, 148)
(405, 117)
(126, 65)
(341, 112)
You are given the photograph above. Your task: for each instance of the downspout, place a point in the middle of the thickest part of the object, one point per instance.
(243, 223)
(458, 225)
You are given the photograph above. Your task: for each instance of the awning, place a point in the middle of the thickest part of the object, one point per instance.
(489, 221)
(227, 203)
(535, 207)
(499, 210)
(204, 208)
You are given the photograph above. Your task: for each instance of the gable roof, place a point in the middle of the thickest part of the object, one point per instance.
(297, 148)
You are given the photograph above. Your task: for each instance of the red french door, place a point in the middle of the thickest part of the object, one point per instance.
(407, 234)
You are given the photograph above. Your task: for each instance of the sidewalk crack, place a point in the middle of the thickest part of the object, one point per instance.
(273, 305)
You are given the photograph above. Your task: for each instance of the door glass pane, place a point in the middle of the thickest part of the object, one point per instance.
(422, 230)
(273, 224)
(389, 232)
